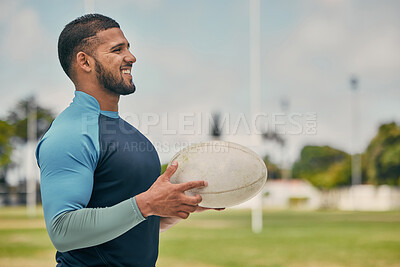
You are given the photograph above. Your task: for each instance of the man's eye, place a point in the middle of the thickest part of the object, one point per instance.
(117, 50)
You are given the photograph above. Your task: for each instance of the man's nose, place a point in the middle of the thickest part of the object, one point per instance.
(130, 57)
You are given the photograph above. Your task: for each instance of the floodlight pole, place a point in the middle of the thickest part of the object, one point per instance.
(30, 161)
(284, 170)
(355, 157)
(255, 98)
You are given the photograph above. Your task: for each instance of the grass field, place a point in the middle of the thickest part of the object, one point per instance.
(289, 238)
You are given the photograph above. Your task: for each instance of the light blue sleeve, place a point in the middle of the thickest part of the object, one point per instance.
(89, 227)
(67, 164)
(67, 160)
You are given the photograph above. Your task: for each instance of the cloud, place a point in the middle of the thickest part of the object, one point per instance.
(7, 9)
(309, 52)
(177, 74)
(313, 64)
(338, 41)
(377, 55)
(24, 37)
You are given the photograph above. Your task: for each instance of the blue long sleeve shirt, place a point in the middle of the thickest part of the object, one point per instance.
(92, 165)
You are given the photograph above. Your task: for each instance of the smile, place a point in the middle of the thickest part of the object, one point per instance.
(126, 71)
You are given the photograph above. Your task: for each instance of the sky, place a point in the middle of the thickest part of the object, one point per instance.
(193, 60)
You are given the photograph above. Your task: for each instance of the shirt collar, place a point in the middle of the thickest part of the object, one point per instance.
(82, 98)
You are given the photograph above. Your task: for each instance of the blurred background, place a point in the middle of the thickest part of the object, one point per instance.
(312, 86)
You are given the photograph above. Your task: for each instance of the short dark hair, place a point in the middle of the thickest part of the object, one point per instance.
(78, 36)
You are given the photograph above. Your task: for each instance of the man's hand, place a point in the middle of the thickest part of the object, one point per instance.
(169, 200)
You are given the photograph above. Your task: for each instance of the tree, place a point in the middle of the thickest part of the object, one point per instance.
(323, 166)
(273, 170)
(13, 130)
(18, 117)
(382, 157)
(6, 132)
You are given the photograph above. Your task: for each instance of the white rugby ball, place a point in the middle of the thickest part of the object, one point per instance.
(234, 173)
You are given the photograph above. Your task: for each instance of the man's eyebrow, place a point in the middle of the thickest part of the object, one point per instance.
(119, 45)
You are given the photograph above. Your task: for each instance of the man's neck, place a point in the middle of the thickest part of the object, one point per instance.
(108, 101)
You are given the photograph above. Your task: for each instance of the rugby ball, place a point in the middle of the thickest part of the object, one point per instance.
(234, 173)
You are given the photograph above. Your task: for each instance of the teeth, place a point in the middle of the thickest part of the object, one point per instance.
(126, 71)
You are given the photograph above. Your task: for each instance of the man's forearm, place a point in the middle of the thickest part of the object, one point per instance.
(89, 227)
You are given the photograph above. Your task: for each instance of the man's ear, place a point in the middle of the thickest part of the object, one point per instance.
(84, 61)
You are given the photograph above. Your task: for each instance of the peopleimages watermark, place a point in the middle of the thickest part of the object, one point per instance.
(203, 123)
(164, 147)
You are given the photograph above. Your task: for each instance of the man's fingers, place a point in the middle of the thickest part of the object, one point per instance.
(189, 208)
(170, 170)
(183, 214)
(192, 200)
(192, 184)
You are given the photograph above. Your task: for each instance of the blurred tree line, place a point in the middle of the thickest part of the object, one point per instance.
(13, 129)
(382, 157)
(326, 167)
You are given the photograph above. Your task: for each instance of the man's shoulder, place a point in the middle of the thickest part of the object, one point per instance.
(75, 127)
(75, 120)
(72, 138)
(76, 114)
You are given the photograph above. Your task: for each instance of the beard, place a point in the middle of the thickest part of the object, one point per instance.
(113, 83)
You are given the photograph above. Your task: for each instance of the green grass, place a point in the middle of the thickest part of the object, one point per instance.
(23, 240)
(209, 239)
(288, 239)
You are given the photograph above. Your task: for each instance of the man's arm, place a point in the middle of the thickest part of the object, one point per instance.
(67, 182)
(89, 227)
(67, 167)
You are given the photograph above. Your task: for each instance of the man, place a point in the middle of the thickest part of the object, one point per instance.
(104, 200)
